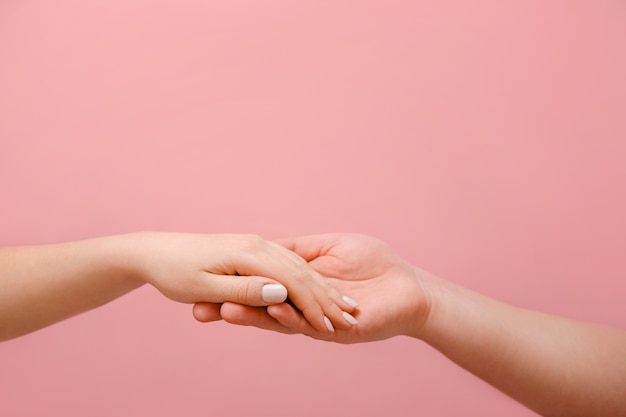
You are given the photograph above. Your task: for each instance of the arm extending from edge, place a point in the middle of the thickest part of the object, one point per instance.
(40, 285)
(555, 366)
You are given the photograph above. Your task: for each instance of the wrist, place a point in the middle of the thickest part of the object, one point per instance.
(454, 311)
(122, 258)
(430, 305)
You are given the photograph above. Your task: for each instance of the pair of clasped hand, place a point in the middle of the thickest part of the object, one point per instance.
(337, 287)
(365, 291)
(345, 288)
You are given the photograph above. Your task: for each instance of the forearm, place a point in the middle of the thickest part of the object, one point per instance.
(40, 285)
(557, 367)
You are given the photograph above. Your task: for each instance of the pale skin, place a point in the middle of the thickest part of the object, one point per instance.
(555, 366)
(43, 284)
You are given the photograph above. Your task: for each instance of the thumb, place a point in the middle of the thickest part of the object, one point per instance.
(248, 290)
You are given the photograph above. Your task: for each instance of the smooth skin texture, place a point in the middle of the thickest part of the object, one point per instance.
(555, 366)
(40, 285)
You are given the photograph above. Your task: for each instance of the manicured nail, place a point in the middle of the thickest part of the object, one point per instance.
(349, 318)
(350, 301)
(274, 293)
(328, 324)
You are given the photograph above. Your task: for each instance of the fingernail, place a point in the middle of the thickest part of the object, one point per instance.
(328, 324)
(274, 293)
(350, 301)
(349, 318)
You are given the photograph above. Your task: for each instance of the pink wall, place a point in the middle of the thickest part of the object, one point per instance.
(485, 141)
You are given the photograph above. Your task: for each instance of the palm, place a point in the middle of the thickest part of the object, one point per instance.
(391, 298)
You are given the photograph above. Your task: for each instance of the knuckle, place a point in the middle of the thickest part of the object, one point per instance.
(243, 293)
(301, 277)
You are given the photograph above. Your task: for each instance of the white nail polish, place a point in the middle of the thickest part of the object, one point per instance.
(349, 318)
(328, 324)
(274, 293)
(350, 301)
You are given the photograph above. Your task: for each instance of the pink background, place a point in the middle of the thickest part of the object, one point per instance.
(485, 141)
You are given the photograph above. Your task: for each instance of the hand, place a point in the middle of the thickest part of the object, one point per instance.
(392, 295)
(236, 268)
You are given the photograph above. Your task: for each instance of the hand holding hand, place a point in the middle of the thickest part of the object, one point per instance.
(241, 269)
(391, 293)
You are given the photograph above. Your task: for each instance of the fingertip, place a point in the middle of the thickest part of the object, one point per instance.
(281, 310)
(291, 318)
(242, 315)
(206, 312)
(350, 319)
(351, 302)
(328, 325)
(233, 313)
(274, 293)
(344, 302)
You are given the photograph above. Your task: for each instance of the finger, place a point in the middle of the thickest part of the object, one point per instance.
(206, 312)
(321, 304)
(291, 319)
(315, 250)
(322, 264)
(251, 316)
(308, 290)
(325, 262)
(248, 290)
(340, 317)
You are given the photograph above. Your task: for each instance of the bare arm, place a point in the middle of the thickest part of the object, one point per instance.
(555, 366)
(40, 285)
